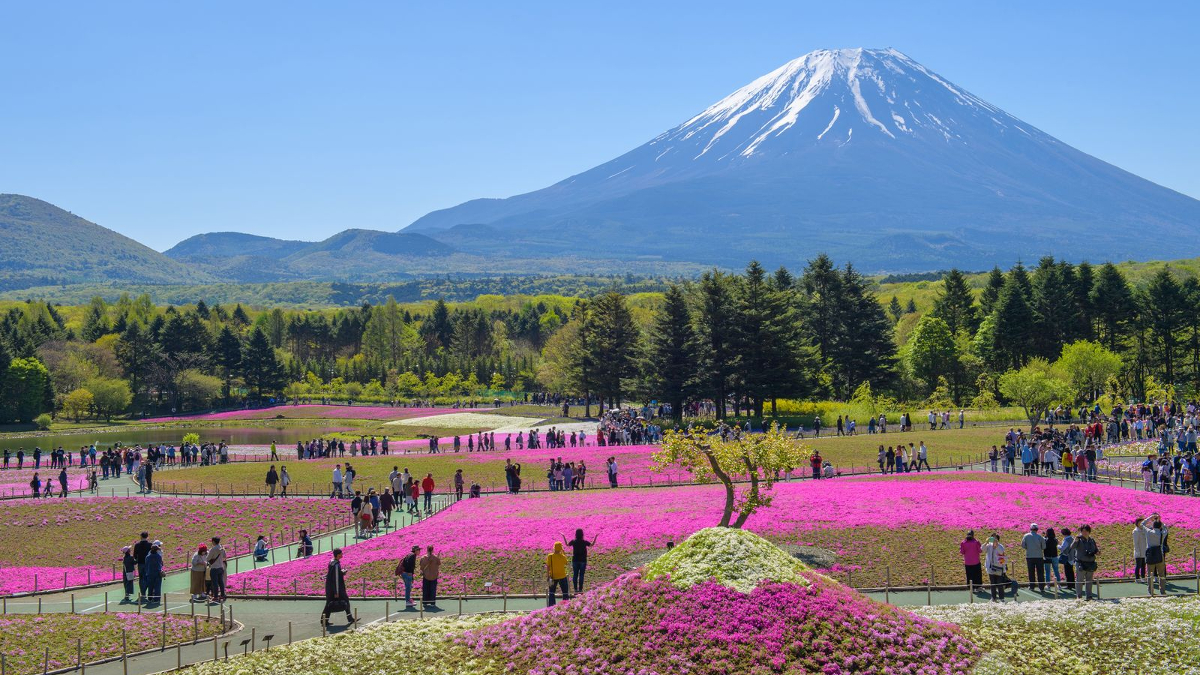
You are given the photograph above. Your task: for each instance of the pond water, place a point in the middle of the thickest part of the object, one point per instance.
(283, 436)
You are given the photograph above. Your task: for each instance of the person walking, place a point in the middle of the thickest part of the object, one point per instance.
(284, 481)
(431, 566)
(556, 574)
(337, 482)
(458, 485)
(216, 569)
(197, 571)
(337, 597)
(406, 570)
(970, 548)
(579, 555)
(1085, 552)
(1156, 553)
(1035, 563)
(997, 567)
(272, 481)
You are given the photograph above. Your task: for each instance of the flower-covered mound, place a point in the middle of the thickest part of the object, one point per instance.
(1144, 636)
(24, 638)
(81, 539)
(637, 626)
(735, 558)
(309, 411)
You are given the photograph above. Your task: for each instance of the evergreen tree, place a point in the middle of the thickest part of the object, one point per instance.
(228, 356)
(614, 345)
(1085, 279)
(1012, 337)
(202, 310)
(865, 350)
(239, 317)
(1056, 313)
(260, 365)
(672, 352)
(437, 330)
(136, 352)
(716, 330)
(895, 309)
(956, 304)
(910, 307)
(768, 343)
(1165, 307)
(1113, 306)
(783, 280)
(991, 291)
(95, 321)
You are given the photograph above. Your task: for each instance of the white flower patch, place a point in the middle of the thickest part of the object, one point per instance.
(736, 558)
(1144, 636)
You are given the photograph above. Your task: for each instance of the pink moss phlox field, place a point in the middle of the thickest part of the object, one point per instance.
(48, 538)
(482, 539)
(310, 411)
(634, 626)
(15, 482)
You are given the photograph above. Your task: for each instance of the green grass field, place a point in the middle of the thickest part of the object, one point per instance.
(945, 447)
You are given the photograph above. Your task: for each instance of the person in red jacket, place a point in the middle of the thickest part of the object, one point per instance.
(427, 488)
(816, 465)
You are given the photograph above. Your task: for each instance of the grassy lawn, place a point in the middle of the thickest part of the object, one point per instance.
(24, 638)
(551, 412)
(946, 446)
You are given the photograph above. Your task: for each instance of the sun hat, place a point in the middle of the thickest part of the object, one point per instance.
(1033, 526)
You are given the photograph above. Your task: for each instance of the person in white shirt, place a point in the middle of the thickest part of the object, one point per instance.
(1156, 552)
(1139, 550)
(337, 482)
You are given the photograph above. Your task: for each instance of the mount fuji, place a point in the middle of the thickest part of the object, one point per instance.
(863, 154)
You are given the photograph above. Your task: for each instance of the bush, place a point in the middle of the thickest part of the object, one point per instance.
(43, 421)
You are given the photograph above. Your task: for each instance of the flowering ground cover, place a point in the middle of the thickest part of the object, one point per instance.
(82, 538)
(1145, 636)
(907, 527)
(309, 411)
(15, 482)
(24, 638)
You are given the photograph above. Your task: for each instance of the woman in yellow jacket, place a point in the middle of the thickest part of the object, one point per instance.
(556, 573)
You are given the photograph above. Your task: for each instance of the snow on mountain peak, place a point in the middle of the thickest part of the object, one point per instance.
(822, 96)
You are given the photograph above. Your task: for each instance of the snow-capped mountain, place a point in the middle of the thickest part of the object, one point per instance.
(865, 154)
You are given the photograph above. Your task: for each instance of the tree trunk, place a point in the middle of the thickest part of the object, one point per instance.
(727, 482)
(753, 496)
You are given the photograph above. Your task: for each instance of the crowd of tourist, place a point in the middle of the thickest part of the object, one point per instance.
(1070, 561)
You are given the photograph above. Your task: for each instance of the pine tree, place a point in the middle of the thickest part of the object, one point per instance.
(991, 291)
(1085, 279)
(614, 345)
(260, 365)
(228, 356)
(1056, 314)
(95, 322)
(1165, 308)
(895, 309)
(956, 304)
(672, 352)
(1012, 338)
(768, 343)
(716, 329)
(865, 350)
(1113, 306)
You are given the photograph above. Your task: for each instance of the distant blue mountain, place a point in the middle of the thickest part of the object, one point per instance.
(864, 154)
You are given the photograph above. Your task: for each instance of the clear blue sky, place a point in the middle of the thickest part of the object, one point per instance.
(300, 119)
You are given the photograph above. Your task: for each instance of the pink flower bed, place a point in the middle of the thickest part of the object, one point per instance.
(79, 537)
(15, 482)
(908, 523)
(310, 411)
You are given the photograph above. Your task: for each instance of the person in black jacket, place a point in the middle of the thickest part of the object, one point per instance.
(337, 597)
(140, 551)
(272, 480)
(129, 568)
